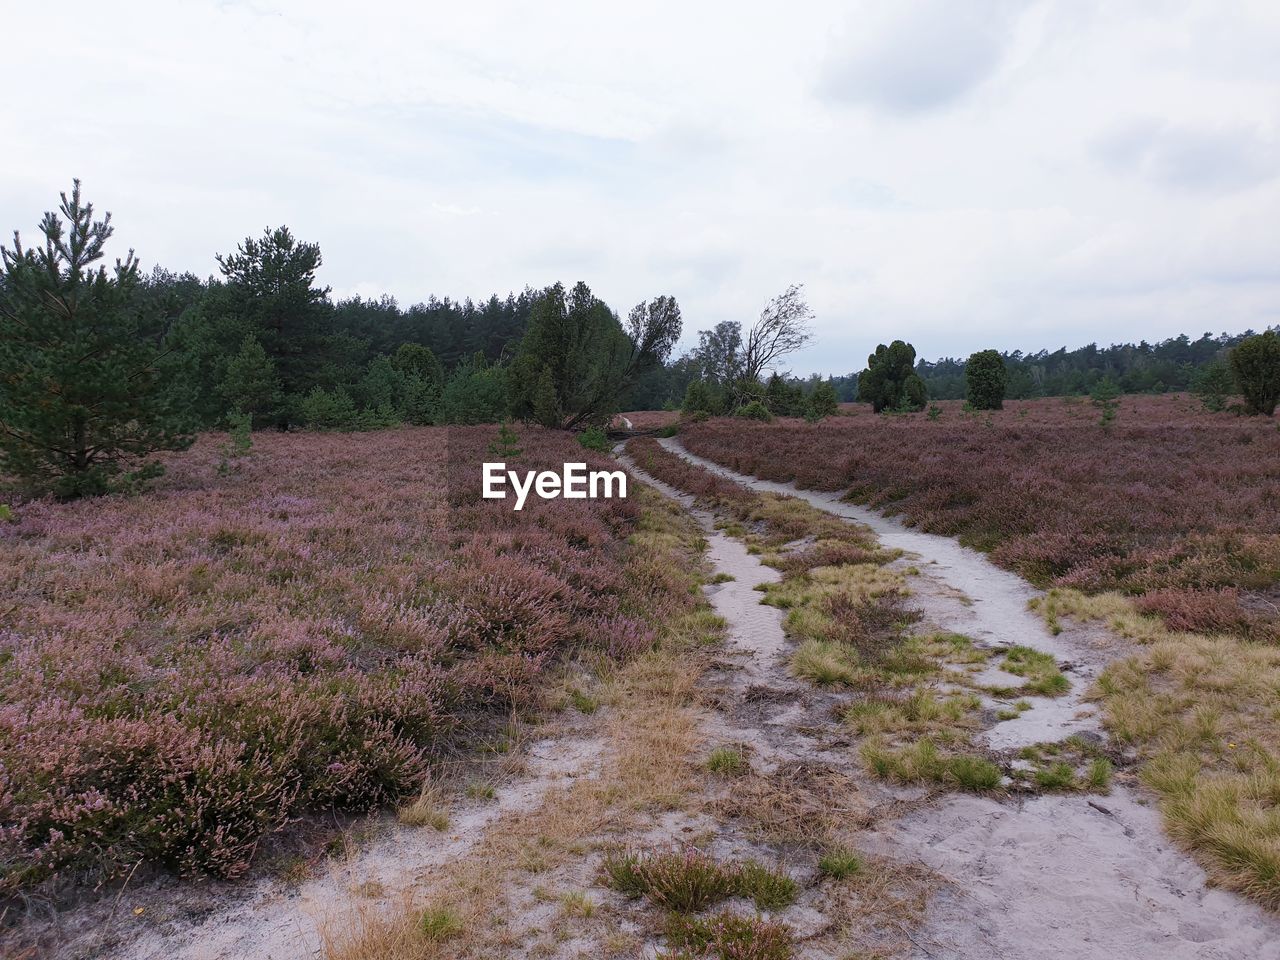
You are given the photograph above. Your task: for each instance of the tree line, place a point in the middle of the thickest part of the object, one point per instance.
(1171, 365)
(101, 366)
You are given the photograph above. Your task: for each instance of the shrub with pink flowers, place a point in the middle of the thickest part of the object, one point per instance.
(1169, 500)
(186, 672)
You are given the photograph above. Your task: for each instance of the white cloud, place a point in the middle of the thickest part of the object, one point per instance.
(960, 174)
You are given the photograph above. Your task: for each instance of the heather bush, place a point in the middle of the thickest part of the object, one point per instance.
(727, 936)
(185, 675)
(1167, 499)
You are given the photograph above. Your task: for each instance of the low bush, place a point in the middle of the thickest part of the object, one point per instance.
(727, 936)
(183, 675)
(688, 880)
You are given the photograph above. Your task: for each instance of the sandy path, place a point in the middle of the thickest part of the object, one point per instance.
(1052, 876)
(267, 922)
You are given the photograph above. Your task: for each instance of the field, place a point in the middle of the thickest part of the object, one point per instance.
(1163, 526)
(695, 700)
(1169, 503)
(299, 630)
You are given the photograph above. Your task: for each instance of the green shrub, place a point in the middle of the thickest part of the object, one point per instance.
(770, 889)
(594, 438)
(1256, 363)
(702, 397)
(755, 410)
(476, 393)
(323, 409)
(1212, 384)
(985, 380)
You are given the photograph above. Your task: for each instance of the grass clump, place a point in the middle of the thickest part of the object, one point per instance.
(690, 880)
(438, 924)
(427, 810)
(923, 762)
(1098, 777)
(727, 936)
(826, 663)
(839, 863)
(1058, 775)
(728, 761)
(685, 880)
(1040, 670)
(770, 889)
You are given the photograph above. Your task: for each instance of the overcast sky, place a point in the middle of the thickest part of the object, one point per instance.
(958, 173)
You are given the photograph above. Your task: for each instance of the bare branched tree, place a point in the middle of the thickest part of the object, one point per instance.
(783, 328)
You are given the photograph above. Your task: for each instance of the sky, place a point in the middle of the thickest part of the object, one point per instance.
(962, 175)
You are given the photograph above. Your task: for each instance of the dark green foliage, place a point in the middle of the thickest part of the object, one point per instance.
(1256, 363)
(890, 383)
(702, 397)
(755, 410)
(415, 360)
(1170, 365)
(323, 409)
(784, 398)
(576, 360)
(505, 446)
(82, 373)
(270, 290)
(822, 402)
(1106, 397)
(985, 380)
(251, 385)
(476, 393)
(594, 438)
(1213, 383)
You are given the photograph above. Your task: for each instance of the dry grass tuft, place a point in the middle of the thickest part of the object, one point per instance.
(1204, 712)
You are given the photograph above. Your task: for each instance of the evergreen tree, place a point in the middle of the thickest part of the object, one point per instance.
(271, 285)
(985, 380)
(83, 380)
(476, 393)
(1212, 384)
(251, 385)
(1256, 363)
(546, 406)
(592, 360)
(822, 402)
(890, 381)
(700, 397)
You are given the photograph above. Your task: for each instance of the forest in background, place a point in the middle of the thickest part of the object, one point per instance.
(462, 331)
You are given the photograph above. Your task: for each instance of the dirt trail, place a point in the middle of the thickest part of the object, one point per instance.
(269, 922)
(1047, 876)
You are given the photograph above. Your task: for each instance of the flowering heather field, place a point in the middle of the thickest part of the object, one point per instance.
(187, 671)
(1170, 502)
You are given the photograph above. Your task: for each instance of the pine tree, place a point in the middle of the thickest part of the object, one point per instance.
(83, 389)
(270, 286)
(251, 385)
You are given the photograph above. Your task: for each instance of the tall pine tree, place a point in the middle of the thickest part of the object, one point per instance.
(83, 394)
